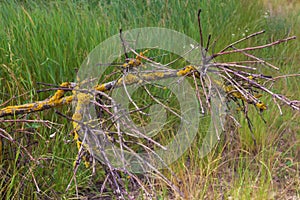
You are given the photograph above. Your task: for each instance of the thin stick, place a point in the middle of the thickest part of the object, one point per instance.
(205, 93)
(198, 94)
(207, 44)
(283, 76)
(243, 39)
(253, 48)
(35, 182)
(11, 139)
(231, 65)
(124, 45)
(200, 28)
(258, 59)
(206, 49)
(245, 61)
(278, 96)
(163, 105)
(130, 99)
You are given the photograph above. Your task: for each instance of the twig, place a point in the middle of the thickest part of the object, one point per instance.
(198, 94)
(252, 48)
(11, 139)
(243, 39)
(278, 96)
(200, 28)
(163, 105)
(258, 59)
(124, 46)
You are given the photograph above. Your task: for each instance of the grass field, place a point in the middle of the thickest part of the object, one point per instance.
(43, 41)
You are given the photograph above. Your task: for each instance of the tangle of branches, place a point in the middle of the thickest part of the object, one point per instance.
(239, 80)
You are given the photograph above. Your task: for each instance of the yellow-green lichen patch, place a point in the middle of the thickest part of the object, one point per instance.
(185, 71)
(154, 75)
(101, 88)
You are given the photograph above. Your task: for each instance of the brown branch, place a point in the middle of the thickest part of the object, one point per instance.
(243, 39)
(258, 59)
(252, 48)
(59, 100)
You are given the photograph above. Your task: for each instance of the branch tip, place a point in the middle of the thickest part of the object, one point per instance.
(199, 11)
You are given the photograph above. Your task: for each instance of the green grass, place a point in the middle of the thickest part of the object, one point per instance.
(47, 41)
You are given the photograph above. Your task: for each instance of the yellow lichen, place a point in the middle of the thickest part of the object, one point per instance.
(187, 70)
(250, 77)
(261, 106)
(258, 95)
(101, 88)
(59, 93)
(153, 76)
(77, 116)
(83, 99)
(231, 91)
(129, 79)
